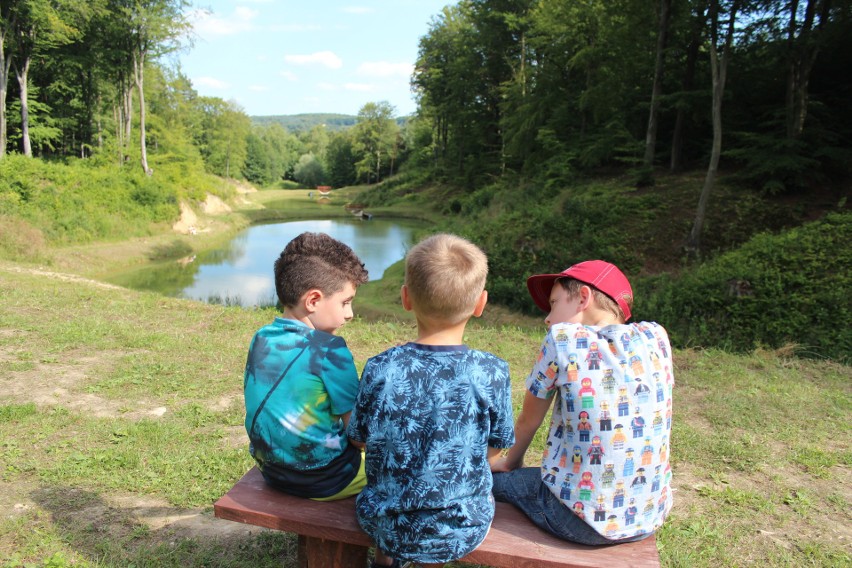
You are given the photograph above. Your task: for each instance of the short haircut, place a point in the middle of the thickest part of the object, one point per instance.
(445, 276)
(315, 260)
(572, 288)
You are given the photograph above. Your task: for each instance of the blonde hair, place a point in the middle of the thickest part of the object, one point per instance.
(445, 276)
(572, 288)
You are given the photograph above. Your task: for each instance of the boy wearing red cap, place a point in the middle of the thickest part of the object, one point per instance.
(588, 306)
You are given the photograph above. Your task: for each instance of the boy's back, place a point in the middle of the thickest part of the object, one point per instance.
(433, 410)
(293, 421)
(431, 414)
(609, 433)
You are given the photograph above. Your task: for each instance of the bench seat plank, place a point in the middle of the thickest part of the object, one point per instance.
(513, 540)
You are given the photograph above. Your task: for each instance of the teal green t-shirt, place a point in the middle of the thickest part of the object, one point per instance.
(298, 383)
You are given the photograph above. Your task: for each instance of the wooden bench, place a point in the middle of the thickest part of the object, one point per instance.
(329, 535)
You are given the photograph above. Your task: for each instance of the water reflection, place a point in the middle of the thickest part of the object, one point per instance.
(241, 271)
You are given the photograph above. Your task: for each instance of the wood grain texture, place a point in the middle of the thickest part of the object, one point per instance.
(513, 540)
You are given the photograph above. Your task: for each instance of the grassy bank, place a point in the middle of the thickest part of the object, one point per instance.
(121, 421)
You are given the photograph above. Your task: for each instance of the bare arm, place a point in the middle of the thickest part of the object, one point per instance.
(532, 414)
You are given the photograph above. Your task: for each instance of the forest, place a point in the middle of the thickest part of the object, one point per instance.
(713, 117)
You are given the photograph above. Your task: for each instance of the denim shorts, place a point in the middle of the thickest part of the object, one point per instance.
(524, 489)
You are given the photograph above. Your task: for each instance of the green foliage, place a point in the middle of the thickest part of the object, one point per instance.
(526, 231)
(775, 164)
(81, 201)
(792, 287)
(309, 171)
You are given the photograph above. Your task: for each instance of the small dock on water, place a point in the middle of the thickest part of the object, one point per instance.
(357, 210)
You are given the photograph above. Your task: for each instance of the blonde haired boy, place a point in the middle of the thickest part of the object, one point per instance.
(587, 308)
(431, 413)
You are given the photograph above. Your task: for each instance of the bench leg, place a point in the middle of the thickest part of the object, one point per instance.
(322, 553)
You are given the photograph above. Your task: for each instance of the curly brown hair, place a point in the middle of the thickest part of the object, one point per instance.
(315, 260)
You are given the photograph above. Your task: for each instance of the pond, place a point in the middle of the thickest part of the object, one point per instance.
(240, 273)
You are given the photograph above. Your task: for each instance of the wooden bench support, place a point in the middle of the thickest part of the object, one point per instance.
(322, 553)
(329, 535)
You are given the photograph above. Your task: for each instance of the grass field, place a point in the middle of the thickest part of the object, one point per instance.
(121, 422)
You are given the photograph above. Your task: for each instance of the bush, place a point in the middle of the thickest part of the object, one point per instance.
(87, 200)
(791, 287)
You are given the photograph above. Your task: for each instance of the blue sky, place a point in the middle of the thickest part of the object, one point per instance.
(303, 56)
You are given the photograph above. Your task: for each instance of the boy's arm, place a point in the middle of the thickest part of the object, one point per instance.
(356, 443)
(532, 414)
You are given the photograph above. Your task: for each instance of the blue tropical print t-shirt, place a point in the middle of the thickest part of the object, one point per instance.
(298, 383)
(427, 415)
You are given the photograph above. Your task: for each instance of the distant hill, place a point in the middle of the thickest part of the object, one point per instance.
(303, 122)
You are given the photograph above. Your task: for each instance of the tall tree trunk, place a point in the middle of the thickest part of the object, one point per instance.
(802, 55)
(5, 65)
(118, 118)
(22, 73)
(686, 87)
(139, 77)
(718, 67)
(657, 89)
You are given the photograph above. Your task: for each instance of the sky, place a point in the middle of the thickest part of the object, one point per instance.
(276, 57)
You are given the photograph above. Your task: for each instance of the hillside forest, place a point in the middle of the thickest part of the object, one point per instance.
(700, 144)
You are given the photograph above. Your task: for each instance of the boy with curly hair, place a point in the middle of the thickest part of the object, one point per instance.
(300, 379)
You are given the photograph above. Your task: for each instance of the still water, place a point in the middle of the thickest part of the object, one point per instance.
(241, 272)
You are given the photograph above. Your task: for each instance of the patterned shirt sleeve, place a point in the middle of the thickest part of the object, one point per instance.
(362, 412)
(502, 420)
(340, 376)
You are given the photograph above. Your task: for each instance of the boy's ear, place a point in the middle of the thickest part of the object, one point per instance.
(406, 299)
(480, 304)
(311, 298)
(585, 297)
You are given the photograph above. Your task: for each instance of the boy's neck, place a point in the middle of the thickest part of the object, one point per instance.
(298, 315)
(598, 318)
(440, 333)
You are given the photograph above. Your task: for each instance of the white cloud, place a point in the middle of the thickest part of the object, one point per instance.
(289, 75)
(324, 58)
(358, 10)
(326, 86)
(211, 82)
(360, 87)
(206, 23)
(258, 88)
(385, 69)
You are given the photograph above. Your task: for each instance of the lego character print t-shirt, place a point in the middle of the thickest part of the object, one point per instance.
(607, 452)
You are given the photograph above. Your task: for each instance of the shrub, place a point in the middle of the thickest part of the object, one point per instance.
(791, 287)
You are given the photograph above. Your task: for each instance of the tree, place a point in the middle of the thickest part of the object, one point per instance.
(803, 40)
(309, 171)
(719, 68)
(40, 25)
(156, 28)
(373, 138)
(697, 22)
(656, 90)
(341, 160)
(223, 136)
(8, 18)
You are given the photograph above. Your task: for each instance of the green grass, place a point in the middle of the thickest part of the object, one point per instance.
(110, 395)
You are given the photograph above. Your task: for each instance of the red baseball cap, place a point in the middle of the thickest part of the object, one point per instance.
(604, 276)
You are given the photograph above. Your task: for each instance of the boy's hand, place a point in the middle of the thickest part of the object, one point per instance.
(500, 464)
